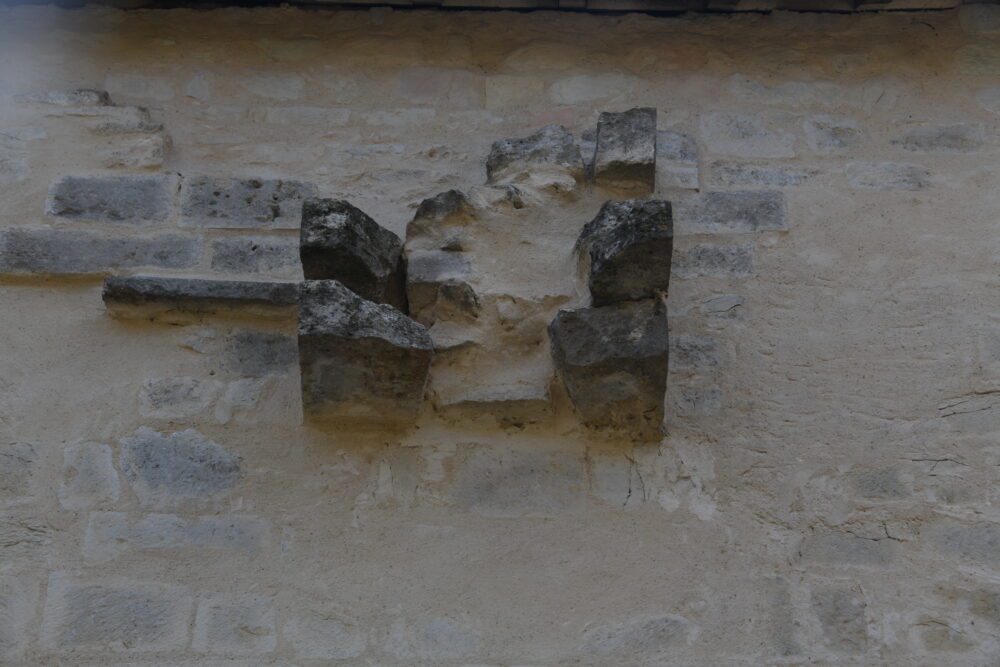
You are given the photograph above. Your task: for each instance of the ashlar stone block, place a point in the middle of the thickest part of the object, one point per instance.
(360, 361)
(629, 245)
(613, 362)
(340, 242)
(551, 148)
(626, 150)
(225, 203)
(135, 200)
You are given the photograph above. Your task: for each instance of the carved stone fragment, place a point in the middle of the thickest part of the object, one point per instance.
(340, 242)
(626, 150)
(552, 147)
(361, 362)
(629, 245)
(439, 222)
(613, 362)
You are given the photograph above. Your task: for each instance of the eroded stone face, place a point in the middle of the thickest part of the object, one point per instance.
(613, 361)
(626, 150)
(629, 244)
(340, 242)
(551, 148)
(360, 360)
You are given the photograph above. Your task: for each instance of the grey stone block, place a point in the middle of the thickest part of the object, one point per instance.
(745, 136)
(732, 212)
(832, 135)
(227, 203)
(26, 250)
(359, 360)
(89, 477)
(115, 615)
(260, 353)
(134, 200)
(17, 467)
(110, 535)
(888, 176)
(256, 254)
(437, 287)
(177, 397)
(324, 637)
(613, 361)
(140, 296)
(163, 469)
(977, 542)
(18, 604)
(339, 242)
(880, 483)
(841, 613)
(714, 261)
(756, 175)
(626, 150)
(82, 97)
(435, 639)
(693, 352)
(551, 147)
(235, 626)
(439, 221)
(649, 636)
(844, 548)
(629, 245)
(958, 138)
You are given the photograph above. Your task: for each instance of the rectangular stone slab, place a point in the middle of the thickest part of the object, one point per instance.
(626, 150)
(141, 296)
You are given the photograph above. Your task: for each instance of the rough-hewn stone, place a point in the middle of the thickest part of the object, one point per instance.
(629, 245)
(89, 477)
(259, 353)
(756, 175)
(713, 260)
(613, 361)
(339, 242)
(177, 397)
(256, 254)
(110, 535)
(626, 150)
(551, 148)
(235, 626)
(440, 221)
(26, 250)
(359, 360)
(437, 287)
(140, 296)
(225, 203)
(164, 469)
(732, 212)
(134, 200)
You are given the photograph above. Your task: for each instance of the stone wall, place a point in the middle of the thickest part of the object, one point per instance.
(823, 495)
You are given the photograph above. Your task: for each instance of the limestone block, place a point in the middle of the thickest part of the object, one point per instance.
(339, 242)
(110, 535)
(235, 626)
(440, 222)
(25, 250)
(841, 613)
(832, 135)
(359, 360)
(551, 149)
(255, 254)
(17, 467)
(323, 637)
(18, 604)
(648, 636)
(226, 203)
(177, 397)
(732, 212)
(117, 615)
(957, 138)
(432, 639)
(259, 353)
(613, 361)
(888, 176)
(676, 161)
(693, 352)
(141, 296)
(629, 245)
(745, 136)
(716, 261)
(133, 200)
(626, 150)
(166, 468)
(437, 287)
(89, 477)
(757, 175)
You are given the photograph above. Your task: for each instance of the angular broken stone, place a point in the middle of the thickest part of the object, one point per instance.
(361, 362)
(613, 362)
(437, 287)
(340, 242)
(439, 221)
(629, 245)
(626, 150)
(551, 147)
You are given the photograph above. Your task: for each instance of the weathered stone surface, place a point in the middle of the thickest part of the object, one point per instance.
(729, 173)
(723, 307)
(513, 404)
(888, 176)
(18, 603)
(977, 542)
(89, 477)
(83, 97)
(880, 483)
(745, 136)
(989, 99)
(255, 254)
(613, 361)
(841, 613)
(435, 639)
(139, 296)
(224, 203)
(437, 287)
(692, 352)
(324, 637)
(240, 626)
(958, 138)
(359, 360)
(339, 242)
(732, 212)
(844, 548)
(676, 161)
(698, 400)
(177, 397)
(551, 148)
(626, 150)
(716, 261)
(832, 135)
(26, 250)
(439, 222)
(17, 466)
(120, 615)
(163, 469)
(646, 636)
(259, 353)
(629, 245)
(110, 535)
(134, 200)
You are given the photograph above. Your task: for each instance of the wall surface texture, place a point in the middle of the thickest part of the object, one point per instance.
(824, 494)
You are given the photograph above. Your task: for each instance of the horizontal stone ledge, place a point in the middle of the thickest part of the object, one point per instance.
(142, 296)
